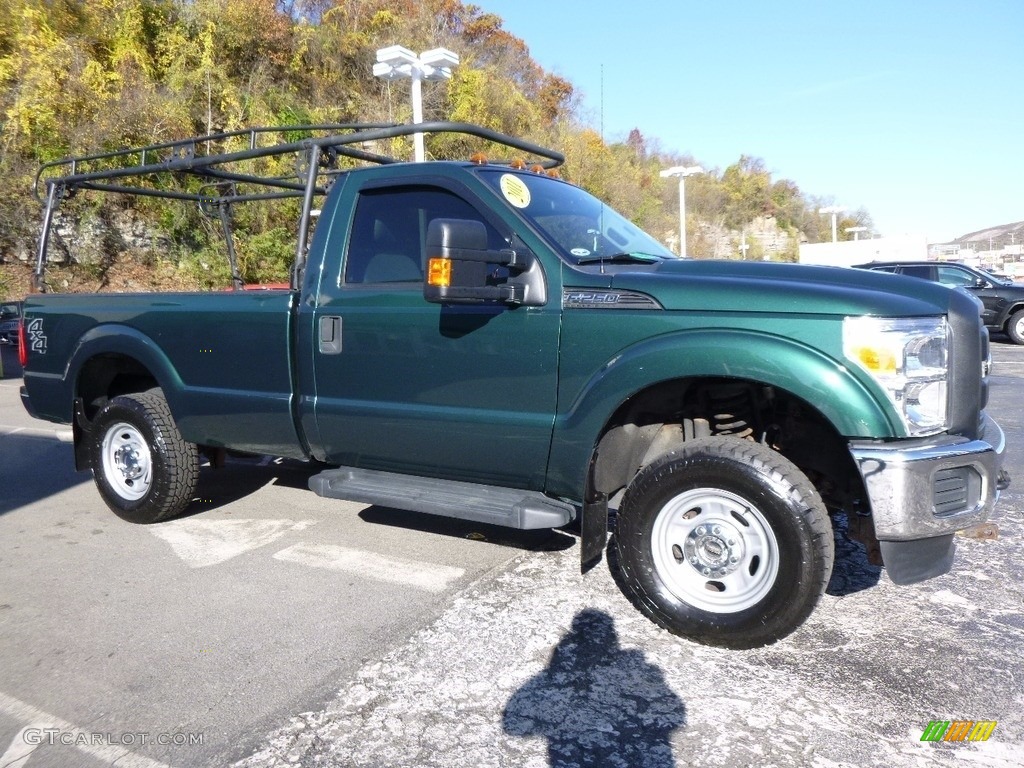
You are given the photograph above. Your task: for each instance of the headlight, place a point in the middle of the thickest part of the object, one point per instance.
(908, 357)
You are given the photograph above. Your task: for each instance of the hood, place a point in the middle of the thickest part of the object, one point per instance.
(749, 286)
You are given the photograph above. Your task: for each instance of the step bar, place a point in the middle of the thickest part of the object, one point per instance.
(508, 507)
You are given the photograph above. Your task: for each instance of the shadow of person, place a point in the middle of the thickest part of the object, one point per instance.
(597, 704)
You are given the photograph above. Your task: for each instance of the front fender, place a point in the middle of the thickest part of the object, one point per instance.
(823, 381)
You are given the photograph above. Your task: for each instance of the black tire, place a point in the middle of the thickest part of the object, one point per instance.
(1015, 327)
(143, 468)
(725, 542)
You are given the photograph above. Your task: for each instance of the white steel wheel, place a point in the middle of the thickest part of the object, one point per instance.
(723, 541)
(143, 468)
(127, 462)
(1015, 327)
(714, 550)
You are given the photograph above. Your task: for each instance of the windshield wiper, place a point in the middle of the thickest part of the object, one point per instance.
(622, 258)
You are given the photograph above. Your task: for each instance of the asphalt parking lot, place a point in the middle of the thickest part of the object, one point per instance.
(277, 628)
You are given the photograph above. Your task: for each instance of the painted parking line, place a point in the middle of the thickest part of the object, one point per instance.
(409, 573)
(202, 543)
(43, 727)
(21, 747)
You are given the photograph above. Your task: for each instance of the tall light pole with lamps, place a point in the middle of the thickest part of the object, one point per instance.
(682, 171)
(835, 210)
(396, 61)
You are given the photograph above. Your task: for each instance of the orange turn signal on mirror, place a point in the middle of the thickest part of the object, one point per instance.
(439, 272)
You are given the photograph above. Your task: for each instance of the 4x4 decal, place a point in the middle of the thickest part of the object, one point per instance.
(36, 337)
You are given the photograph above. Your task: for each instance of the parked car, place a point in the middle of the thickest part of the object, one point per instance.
(1002, 298)
(10, 315)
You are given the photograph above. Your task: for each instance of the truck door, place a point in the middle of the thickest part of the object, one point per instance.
(403, 385)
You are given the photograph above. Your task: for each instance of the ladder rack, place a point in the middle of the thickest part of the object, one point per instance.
(317, 149)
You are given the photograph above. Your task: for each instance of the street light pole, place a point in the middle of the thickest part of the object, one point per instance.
(834, 210)
(682, 171)
(743, 245)
(396, 61)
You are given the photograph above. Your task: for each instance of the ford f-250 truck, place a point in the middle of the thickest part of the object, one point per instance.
(485, 341)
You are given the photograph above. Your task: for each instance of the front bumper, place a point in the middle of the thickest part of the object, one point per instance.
(932, 488)
(922, 493)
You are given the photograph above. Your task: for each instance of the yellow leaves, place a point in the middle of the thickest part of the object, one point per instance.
(467, 96)
(383, 19)
(484, 97)
(99, 81)
(37, 70)
(206, 41)
(593, 142)
(129, 51)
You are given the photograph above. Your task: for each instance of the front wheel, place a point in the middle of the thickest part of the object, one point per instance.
(143, 468)
(724, 541)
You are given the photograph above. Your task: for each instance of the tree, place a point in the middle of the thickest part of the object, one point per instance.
(81, 76)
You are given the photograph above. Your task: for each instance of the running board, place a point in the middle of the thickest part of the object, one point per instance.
(509, 507)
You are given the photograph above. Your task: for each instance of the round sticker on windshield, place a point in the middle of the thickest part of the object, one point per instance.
(579, 252)
(515, 190)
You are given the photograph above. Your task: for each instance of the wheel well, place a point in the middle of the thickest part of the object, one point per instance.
(656, 419)
(1011, 312)
(110, 375)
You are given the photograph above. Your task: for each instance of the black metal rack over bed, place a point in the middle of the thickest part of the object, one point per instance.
(137, 171)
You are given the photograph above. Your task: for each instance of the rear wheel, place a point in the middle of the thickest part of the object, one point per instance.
(143, 468)
(725, 542)
(1015, 327)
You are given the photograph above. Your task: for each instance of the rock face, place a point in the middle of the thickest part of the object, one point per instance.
(762, 240)
(97, 236)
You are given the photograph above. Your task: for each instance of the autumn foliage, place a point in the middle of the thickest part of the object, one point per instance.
(81, 76)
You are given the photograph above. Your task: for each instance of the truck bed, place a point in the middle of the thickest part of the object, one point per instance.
(222, 359)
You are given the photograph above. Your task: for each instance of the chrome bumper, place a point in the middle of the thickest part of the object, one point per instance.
(932, 489)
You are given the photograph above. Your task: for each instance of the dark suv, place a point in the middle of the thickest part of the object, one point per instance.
(1003, 299)
(10, 316)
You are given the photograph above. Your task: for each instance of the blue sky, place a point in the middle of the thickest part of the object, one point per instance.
(912, 110)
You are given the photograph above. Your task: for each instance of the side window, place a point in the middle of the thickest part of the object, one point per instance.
(386, 244)
(954, 276)
(922, 271)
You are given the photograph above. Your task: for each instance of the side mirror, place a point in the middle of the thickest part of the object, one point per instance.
(462, 270)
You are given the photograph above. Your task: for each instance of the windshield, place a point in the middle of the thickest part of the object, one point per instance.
(9, 310)
(583, 228)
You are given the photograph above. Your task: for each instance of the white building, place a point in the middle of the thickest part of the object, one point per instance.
(846, 253)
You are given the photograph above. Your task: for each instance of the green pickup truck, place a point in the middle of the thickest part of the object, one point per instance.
(486, 341)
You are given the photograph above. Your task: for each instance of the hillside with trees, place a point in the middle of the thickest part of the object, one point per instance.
(86, 76)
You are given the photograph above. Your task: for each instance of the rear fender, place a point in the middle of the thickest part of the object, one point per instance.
(125, 341)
